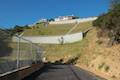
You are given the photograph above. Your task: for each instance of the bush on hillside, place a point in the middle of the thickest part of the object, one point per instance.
(109, 24)
(18, 29)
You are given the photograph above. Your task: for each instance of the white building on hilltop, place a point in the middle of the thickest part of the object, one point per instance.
(64, 18)
(43, 20)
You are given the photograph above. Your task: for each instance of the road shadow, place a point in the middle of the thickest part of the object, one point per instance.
(62, 71)
(86, 75)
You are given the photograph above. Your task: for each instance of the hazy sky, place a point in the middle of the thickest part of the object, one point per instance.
(22, 12)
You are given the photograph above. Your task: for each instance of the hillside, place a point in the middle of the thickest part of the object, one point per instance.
(90, 54)
(93, 55)
(55, 29)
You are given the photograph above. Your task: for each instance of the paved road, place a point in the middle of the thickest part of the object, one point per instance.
(63, 72)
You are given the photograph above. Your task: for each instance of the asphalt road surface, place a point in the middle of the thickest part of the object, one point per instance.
(63, 72)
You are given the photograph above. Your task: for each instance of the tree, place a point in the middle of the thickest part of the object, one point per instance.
(109, 24)
(17, 29)
(114, 3)
(26, 27)
(51, 19)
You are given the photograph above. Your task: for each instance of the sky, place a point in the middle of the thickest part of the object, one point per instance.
(26, 12)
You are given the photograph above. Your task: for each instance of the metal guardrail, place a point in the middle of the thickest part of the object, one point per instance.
(15, 55)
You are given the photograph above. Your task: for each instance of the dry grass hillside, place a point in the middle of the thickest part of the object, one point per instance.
(103, 60)
(55, 29)
(94, 55)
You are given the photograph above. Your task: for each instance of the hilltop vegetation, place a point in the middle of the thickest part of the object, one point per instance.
(45, 29)
(41, 29)
(55, 29)
(108, 24)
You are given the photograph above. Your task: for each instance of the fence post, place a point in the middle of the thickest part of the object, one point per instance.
(31, 52)
(18, 53)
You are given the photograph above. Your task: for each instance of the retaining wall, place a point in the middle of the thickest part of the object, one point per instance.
(71, 38)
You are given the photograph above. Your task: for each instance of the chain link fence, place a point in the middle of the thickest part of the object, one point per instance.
(15, 55)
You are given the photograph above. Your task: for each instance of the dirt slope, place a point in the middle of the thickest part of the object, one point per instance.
(100, 59)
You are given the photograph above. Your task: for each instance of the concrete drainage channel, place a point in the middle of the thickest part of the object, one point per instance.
(21, 73)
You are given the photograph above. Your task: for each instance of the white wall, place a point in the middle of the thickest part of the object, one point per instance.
(74, 20)
(53, 39)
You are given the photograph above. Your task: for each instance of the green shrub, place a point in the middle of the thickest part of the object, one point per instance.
(107, 68)
(113, 76)
(109, 24)
(99, 41)
(104, 67)
(101, 66)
